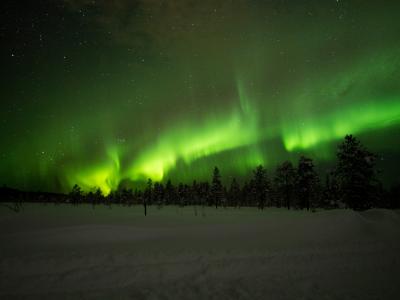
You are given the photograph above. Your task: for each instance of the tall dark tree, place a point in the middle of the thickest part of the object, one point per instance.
(76, 195)
(170, 193)
(90, 198)
(260, 187)
(285, 183)
(245, 195)
(181, 194)
(148, 195)
(307, 182)
(186, 194)
(158, 194)
(224, 196)
(216, 188)
(125, 196)
(330, 193)
(116, 196)
(356, 174)
(138, 197)
(204, 193)
(110, 199)
(234, 193)
(194, 193)
(98, 197)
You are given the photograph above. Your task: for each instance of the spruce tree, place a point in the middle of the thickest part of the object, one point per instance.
(234, 193)
(260, 187)
(285, 183)
(194, 193)
(204, 193)
(138, 197)
(356, 175)
(158, 194)
(330, 192)
(181, 194)
(216, 187)
(245, 199)
(76, 194)
(307, 183)
(170, 193)
(148, 194)
(98, 196)
(186, 194)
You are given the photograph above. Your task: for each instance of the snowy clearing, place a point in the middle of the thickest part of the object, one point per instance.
(65, 252)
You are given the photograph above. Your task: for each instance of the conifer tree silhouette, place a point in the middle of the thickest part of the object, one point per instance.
(285, 183)
(216, 187)
(356, 175)
(307, 182)
(260, 187)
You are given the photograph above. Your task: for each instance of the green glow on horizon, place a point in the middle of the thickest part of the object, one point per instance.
(310, 133)
(105, 175)
(190, 142)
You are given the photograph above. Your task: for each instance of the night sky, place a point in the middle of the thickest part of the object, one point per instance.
(103, 93)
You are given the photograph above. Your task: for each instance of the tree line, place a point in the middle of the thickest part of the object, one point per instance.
(352, 183)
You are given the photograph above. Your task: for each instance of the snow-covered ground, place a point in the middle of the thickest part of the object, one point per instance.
(64, 252)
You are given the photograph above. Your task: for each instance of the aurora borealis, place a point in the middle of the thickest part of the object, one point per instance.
(103, 93)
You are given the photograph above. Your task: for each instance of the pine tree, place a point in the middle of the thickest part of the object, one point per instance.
(307, 183)
(204, 193)
(234, 193)
(76, 194)
(138, 197)
(181, 194)
(216, 188)
(148, 195)
(224, 200)
(125, 196)
(158, 194)
(170, 193)
(186, 194)
(98, 196)
(90, 198)
(330, 192)
(355, 173)
(260, 187)
(245, 198)
(285, 183)
(194, 196)
(110, 199)
(194, 193)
